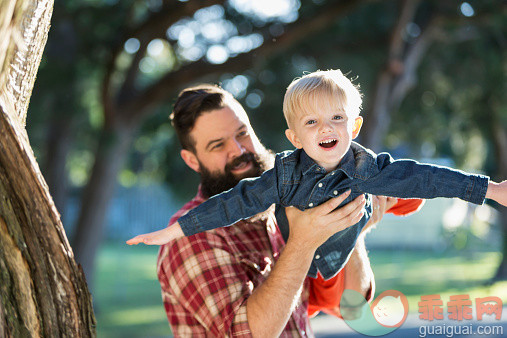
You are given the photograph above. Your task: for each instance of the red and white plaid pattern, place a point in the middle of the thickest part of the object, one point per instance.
(207, 278)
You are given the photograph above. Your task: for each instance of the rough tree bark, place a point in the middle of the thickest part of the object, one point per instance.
(42, 290)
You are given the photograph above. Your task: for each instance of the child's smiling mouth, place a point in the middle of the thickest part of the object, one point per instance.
(329, 143)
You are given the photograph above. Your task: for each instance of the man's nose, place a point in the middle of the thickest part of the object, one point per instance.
(236, 149)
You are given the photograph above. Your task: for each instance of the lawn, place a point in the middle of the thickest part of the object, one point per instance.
(128, 302)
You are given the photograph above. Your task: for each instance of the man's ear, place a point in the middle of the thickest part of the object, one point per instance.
(291, 135)
(190, 159)
(358, 122)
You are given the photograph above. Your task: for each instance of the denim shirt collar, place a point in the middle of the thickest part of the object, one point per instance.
(347, 164)
(308, 165)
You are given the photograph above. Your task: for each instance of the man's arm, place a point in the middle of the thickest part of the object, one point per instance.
(271, 304)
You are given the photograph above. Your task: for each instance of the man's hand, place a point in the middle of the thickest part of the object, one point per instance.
(271, 304)
(312, 227)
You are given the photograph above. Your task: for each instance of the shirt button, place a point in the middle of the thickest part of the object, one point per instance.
(335, 192)
(317, 256)
(310, 205)
(320, 185)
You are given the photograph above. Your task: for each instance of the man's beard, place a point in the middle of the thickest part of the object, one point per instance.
(215, 182)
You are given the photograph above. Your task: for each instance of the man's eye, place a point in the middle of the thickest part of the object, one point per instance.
(217, 146)
(243, 133)
(311, 122)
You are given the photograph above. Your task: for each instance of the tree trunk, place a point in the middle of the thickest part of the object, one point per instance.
(378, 117)
(42, 290)
(112, 150)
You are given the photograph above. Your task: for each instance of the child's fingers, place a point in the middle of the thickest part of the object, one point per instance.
(135, 240)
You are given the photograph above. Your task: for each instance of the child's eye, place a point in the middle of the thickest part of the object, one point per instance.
(337, 117)
(310, 122)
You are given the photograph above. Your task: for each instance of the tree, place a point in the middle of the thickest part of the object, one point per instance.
(42, 290)
(127, 103)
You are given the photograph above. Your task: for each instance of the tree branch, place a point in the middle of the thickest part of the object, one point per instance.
(153, 27)
(296, 32)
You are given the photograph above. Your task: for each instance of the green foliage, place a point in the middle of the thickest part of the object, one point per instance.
(460, 81)
(452, 108)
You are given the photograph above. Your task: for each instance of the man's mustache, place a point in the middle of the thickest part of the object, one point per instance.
(246, 157)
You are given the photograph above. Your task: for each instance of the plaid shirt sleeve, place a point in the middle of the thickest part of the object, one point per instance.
(204, 288)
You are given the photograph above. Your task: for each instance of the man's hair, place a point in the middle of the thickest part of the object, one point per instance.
(191, 103)
(328, 89)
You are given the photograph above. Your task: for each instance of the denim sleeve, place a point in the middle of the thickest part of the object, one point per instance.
(248, 198)
(411, 179)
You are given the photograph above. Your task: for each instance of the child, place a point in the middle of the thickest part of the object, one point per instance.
(322, 113)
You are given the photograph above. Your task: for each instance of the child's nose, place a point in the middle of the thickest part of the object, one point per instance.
(325, 127)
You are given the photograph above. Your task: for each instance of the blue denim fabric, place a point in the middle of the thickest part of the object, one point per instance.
(296, 180)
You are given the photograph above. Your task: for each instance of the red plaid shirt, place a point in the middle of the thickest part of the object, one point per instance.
(207, 278)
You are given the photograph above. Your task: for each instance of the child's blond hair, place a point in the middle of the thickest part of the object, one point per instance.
(328, 89)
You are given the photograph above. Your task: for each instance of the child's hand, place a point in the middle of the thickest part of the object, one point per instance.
(158, 237)
(497, 192)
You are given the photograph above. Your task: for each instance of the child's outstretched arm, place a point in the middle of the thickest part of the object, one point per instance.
(497, 192)
(159, 237)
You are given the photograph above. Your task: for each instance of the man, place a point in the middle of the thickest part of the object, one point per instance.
(245, 280)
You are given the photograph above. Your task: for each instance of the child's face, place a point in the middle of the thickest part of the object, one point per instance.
(325, 134)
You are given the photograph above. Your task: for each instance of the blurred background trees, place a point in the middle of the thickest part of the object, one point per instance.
(432, 74)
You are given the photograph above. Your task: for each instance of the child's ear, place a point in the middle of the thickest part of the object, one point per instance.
(291, 135)
(190, 159)
(358, 122)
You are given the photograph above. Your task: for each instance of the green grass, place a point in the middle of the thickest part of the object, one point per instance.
(417, 273)
(127, 295)
(128, 302)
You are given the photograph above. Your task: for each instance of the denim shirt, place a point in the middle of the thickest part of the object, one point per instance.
(296, 180)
